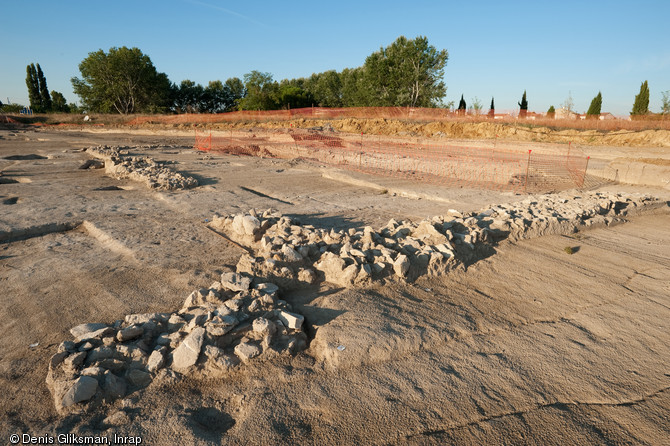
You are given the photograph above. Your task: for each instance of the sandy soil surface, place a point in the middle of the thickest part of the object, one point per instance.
(528, 346)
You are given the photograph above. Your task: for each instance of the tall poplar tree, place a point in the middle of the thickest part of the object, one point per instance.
(45, 97)
(33, 87)
(596, 105)
(462, 106)
(523, 105)
(641, 105)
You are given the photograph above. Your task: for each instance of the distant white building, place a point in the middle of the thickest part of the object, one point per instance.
(564, 113)
(602, 117)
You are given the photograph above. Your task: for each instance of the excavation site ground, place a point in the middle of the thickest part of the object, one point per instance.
(476, 316)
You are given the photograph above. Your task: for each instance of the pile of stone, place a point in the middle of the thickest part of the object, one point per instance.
(217, 329)
(241, 317)
(120, 164)
(294, 255)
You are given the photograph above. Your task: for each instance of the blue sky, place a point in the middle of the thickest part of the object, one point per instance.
(496, 48)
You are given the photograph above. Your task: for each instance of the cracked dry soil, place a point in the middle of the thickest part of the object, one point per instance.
(528, 346)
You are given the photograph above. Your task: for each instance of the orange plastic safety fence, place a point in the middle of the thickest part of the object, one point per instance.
(7, 120)
(417, 159)
(608, 122)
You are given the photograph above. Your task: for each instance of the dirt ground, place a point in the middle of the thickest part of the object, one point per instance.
(528, 346)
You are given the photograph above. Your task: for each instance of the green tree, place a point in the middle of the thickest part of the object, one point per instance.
(476, 106)
(641, 104)
(406, 73)
(523, 105)
(75, 109)
(492, 109)
(59, 104)
(354, 92)
(237, 91)
(45, 97)
(216, 97)
(665, 102)
(292, 95)
(123, 80)
(595, 107)
(462, 106)
(551, 113)
(325, 88)
(33, 85)
(261, 92)
(12, 108)
(189, 97)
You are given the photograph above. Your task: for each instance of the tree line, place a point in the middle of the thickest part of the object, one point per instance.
(407, 73)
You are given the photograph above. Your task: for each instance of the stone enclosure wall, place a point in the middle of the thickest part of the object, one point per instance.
(242, 318)
(120, 164)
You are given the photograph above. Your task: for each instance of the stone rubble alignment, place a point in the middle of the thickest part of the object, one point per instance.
(294, 255)
(155, 175)
(214, 331)
(240, 318)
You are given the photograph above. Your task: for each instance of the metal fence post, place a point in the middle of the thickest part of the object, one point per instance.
(567, 159)
(585, 168)
(525, 187)
(360, 155)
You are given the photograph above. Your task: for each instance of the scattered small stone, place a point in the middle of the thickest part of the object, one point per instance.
(130, 333)
(83, 389)
(264, 326)
(83, 329)
(118, 418)
(156, 361)
(268, 288)
(246, 351)
(139, 378)
(219, 359)
(74, 361)
(94, 372)
(186, 355)
(291, 320)
(235, 282)
(114, 386)
(401, 266)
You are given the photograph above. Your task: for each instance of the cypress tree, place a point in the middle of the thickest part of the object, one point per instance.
(462, 106)
(596, 105)
(45, 97)
(523, 105)
(641, 105)
(33, 87)
(492, 109)
(551, 113)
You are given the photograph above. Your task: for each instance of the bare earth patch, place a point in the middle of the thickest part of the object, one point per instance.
(517, 343)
